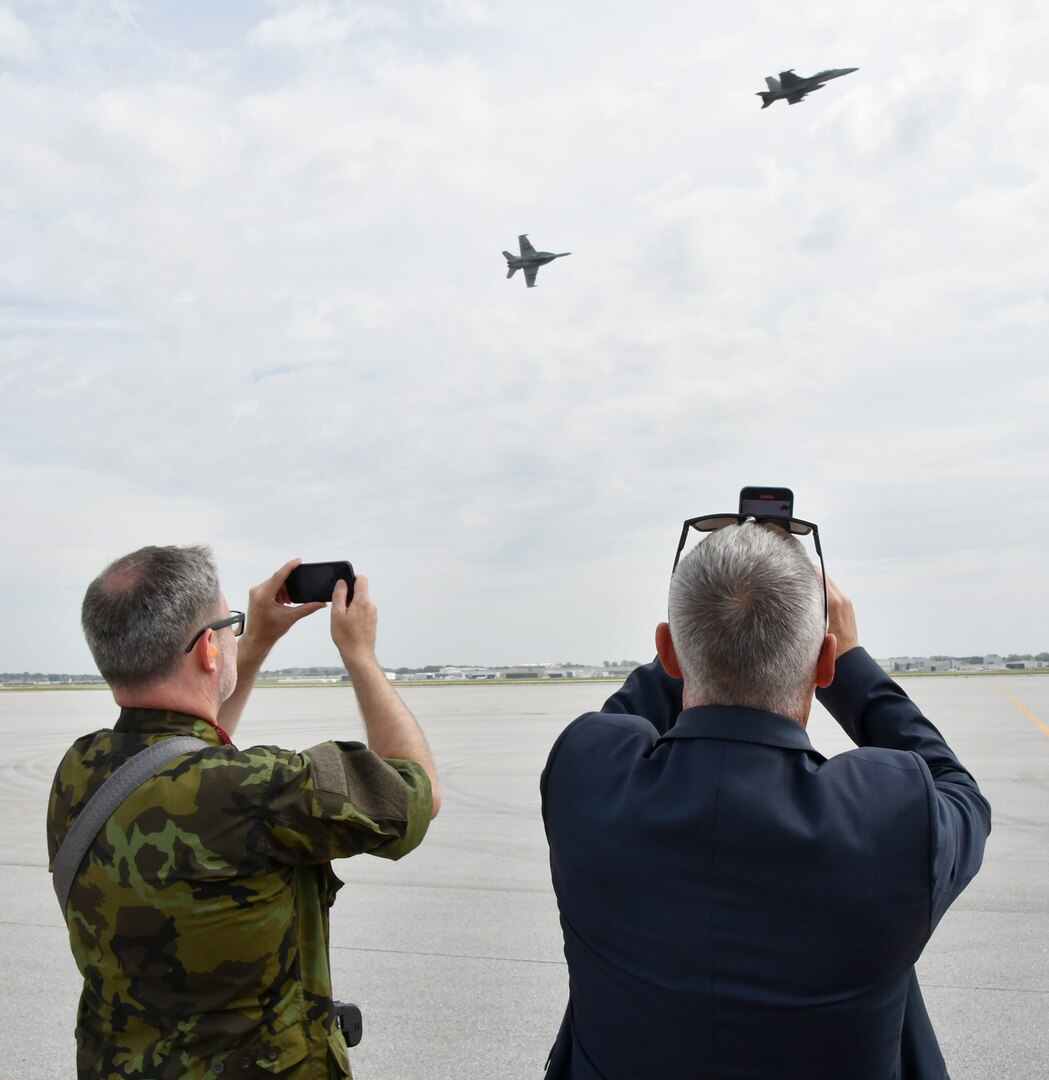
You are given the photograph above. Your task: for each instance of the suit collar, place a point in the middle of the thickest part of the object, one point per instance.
(739, 724)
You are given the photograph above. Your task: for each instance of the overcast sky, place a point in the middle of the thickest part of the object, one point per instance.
(251, 294)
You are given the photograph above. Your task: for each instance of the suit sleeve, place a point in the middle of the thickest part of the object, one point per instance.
(649, 692)
(874, 711)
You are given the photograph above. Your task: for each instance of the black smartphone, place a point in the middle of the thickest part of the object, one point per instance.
(316, 581)
(766, 502)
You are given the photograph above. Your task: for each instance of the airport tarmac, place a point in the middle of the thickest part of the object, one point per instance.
(455, 954)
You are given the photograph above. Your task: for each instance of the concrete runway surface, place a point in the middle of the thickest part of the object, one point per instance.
(455, 954)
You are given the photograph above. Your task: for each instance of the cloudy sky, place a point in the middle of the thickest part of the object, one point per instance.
(251, 294)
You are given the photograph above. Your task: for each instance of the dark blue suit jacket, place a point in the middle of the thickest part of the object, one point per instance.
(736, 906)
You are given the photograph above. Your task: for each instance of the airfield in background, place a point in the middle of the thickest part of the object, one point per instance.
(455, 954)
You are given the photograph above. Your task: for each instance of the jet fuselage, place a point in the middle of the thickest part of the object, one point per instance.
(529, 260)
(794, 87)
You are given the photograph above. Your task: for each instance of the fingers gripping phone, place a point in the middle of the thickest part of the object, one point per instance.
(310, 582)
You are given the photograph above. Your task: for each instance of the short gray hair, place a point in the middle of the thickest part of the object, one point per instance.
(140, 613)
(746, 618)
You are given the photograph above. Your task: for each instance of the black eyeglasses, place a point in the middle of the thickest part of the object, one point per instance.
(795, 526)
(235, 620)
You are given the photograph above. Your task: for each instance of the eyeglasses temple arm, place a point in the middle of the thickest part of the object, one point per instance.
(681, 544)
(823, 579)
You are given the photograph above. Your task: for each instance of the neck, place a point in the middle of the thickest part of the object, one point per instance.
(692, 698)
(168, 697)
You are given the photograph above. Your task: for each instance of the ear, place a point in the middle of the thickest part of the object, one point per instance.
(666, 651)
(206, 652)
(825, 661)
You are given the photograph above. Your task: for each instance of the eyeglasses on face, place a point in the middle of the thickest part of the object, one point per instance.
(235, 621)
(795, 526)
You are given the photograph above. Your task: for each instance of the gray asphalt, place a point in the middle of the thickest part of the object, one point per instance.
(455, 952)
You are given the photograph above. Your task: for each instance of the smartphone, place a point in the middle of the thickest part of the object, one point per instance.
(766, 502)
(316, 581)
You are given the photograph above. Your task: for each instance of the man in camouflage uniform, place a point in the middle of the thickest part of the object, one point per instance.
(199, 917)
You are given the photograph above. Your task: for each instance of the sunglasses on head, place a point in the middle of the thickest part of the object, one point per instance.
(794, 526)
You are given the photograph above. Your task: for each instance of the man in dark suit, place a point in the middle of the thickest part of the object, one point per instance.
(734, 905)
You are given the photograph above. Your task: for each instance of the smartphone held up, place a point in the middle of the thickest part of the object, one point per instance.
(311, 582)
(766, 502)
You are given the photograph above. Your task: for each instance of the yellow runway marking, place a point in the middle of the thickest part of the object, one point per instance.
(1022, 707)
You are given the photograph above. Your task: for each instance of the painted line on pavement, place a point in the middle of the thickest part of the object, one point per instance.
(1022, 707)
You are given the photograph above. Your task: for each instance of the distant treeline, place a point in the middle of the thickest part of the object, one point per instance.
(304, 672)
(37, 678)
(1043, 656)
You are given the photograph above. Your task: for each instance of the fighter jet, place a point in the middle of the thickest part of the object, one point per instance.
(795, 87)
(529, 260)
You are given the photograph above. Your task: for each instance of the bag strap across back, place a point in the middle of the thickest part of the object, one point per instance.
(100, 807)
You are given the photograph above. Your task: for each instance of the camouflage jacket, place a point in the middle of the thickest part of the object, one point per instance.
(199, 918)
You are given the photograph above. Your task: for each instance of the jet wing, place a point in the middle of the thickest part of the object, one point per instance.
(530, 272)
(526, 246)
(793, 99)
(789, 79)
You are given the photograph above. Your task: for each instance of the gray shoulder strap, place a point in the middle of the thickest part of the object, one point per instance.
(131, 775)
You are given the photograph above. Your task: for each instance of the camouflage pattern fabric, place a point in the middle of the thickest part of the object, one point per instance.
(199, 918)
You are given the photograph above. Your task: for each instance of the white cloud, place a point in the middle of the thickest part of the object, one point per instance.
(258, 276)
(16, 39)
(322, 24)
(63, 524)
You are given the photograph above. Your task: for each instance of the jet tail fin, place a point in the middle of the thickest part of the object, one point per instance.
(513, 270)
(766, 99)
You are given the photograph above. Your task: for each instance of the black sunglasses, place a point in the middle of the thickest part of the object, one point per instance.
(235, 620)
(795, 526)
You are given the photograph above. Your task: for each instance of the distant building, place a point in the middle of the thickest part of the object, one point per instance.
(920, 664)
(971, 664)
(517, 672)
(522, 673)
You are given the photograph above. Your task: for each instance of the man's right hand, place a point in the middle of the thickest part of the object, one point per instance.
(842, 619)
(354, 623)
(270, 614)
(270, 617)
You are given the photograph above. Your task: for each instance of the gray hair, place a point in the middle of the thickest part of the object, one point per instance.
(140, 613)
(746, 618)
